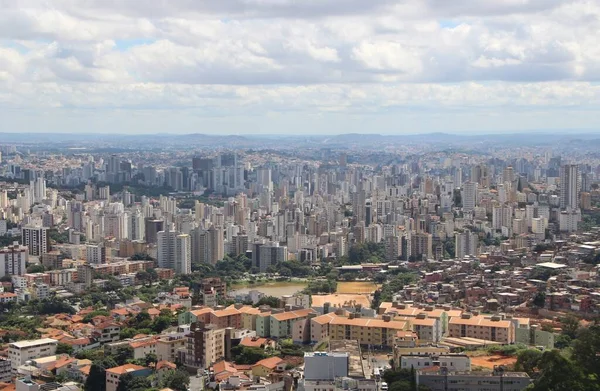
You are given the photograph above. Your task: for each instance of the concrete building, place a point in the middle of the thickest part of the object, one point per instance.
(282, 324)
(325, 366)
(570, 186)
(21, 352)
(473, 381)
(95, 254)
(174, 251)
(466, 243)
(490, 329)
(367, 331)
(205, 345)
(453, 362)
(37, 240)
(113, 375)
(13, 260)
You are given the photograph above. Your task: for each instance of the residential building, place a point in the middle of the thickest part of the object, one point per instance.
(453, 362)
(13, 260)
(473, 381)
(113, 375)
(20, 352)
(37, 239)
(489, 329)
(205, 345)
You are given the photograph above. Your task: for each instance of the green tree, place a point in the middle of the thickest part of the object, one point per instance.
(128, 382)
(176, 380)
(63, 348)
(268, 300)
(569, 325)
(96, 380)
(122, 354)
(557, 373)
(539, 300)
(36, 268)
(586, 350)
(247, 355)
(527, 360)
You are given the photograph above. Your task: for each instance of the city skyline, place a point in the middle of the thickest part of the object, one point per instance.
(277, 67)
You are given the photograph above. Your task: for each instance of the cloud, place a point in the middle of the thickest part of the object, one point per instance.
(259, 57)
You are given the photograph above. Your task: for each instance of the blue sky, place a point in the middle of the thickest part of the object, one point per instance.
(255, 66)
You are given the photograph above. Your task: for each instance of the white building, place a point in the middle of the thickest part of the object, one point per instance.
(13, 260)
(469, 195)
(325, 365)
(175, 251)
(454, 362)
(570, 186)
(95, 254)
(21, 352)
(466, 243)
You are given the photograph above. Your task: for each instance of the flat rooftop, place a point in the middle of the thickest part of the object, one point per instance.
(31, 343)
(352, 348)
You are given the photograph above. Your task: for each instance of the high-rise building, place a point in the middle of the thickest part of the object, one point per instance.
(570, 186)
(268, 254)
(37, 239)
(95, 253)
(174, 251)
(465, 243)
(205, 346)
(216, 244)
(469, 195)
(152, 227)
(13, 260)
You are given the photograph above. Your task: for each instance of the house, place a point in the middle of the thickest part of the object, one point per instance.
(265, 367)
(114, 374)
(108, 331)
(257, 342)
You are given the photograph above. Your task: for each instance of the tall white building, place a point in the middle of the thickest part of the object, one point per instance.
(465, 243)
(13, 260)
(95, 254)
(570, 186)
(174, 251)
(136, 226)
(36, 239)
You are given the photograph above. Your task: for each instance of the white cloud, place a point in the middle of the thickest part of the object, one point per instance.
(258, 57)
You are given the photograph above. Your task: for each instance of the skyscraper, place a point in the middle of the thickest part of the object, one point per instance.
(465, 243)
(570, 186)
(469, 196)
(174, 251)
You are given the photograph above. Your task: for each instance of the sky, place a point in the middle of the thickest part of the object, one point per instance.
(299, 67)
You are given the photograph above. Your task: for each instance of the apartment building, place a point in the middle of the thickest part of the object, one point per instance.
(282, 324)
(166, 347)
(367, 331)
(205, 345)
(481, 327)
(453, 362)
(22, 351)
(473, 381)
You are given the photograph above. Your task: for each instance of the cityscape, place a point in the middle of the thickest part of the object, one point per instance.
(281, 195)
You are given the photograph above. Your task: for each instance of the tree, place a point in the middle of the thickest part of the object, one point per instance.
(63, 348)
(150, 359)
(128, 382)
(557, 373)
(569, 325)
(271, 301)
(161, 323)
(96, 380)
(176, 380)
(539, 299)
(123, 354)
(586, 350)
(247, 355)
(35, 268)
(527, 360)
